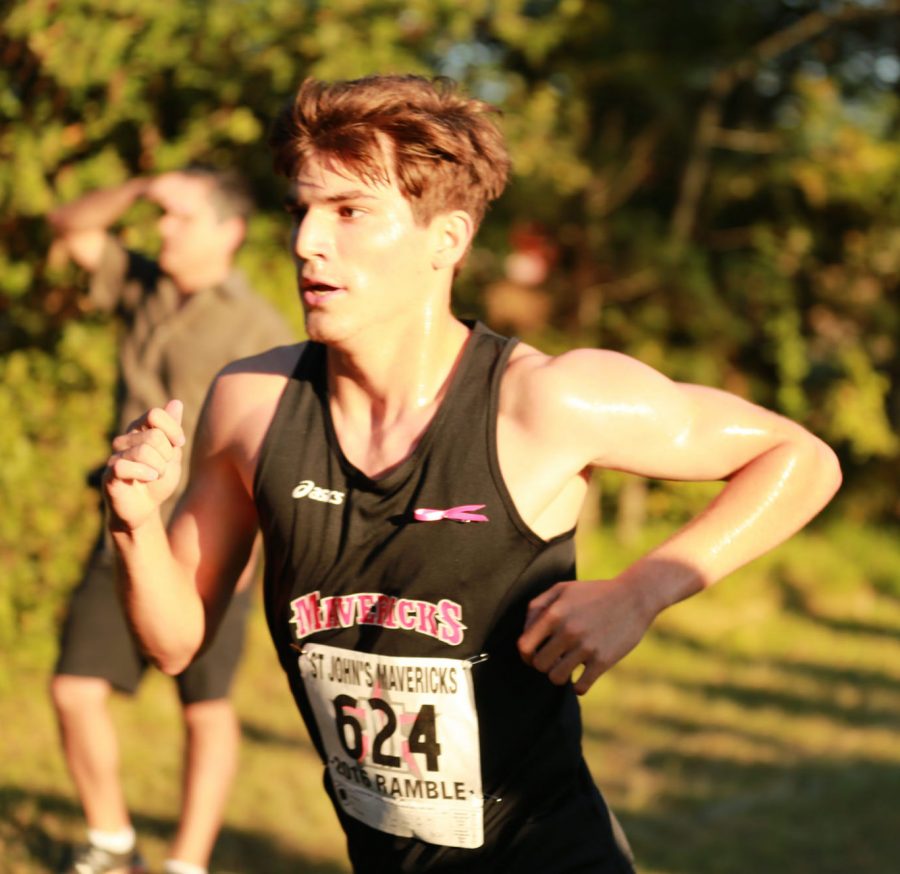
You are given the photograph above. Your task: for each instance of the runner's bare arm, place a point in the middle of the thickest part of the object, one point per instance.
(601, 409)
(176, 584)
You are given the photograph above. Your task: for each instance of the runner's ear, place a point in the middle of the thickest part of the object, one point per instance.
(453, 232)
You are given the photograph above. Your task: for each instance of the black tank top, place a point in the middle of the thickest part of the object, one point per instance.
(388, 621)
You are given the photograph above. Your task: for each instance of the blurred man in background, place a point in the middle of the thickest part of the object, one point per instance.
(183, 316)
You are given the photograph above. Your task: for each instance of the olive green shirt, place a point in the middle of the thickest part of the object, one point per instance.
(173, 344)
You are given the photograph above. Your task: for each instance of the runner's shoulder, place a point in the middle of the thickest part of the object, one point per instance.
(536, 383)
(246, 392)
(585, 374)
(278, 363)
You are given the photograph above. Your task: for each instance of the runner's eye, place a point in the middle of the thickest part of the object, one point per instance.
(297, 211)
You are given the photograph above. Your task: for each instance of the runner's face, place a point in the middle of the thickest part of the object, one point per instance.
(362, 260)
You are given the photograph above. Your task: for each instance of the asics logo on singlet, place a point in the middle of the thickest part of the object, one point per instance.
(308, 489)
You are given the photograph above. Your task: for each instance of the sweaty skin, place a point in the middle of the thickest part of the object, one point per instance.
(774, 472)
(559, 418)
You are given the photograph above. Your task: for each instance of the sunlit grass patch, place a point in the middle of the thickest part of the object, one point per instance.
(756, 726)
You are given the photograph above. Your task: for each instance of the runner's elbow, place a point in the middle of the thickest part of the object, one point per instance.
(172, 661)
(829, 467)
(823, 469)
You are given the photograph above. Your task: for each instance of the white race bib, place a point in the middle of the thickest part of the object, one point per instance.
(401, 739)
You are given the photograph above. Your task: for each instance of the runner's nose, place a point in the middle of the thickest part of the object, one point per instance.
(311, 238)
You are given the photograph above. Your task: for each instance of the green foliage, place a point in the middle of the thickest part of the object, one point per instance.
(776, 274)
(55, 412)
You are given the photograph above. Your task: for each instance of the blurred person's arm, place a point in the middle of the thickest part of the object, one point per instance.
(81, 225)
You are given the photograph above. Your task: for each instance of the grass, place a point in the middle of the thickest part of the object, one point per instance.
(754, 731)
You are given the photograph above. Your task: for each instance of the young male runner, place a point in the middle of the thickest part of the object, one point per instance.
(183, 317)
(417, 480)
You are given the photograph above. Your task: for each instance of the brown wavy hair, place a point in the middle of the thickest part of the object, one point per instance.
(444, 149)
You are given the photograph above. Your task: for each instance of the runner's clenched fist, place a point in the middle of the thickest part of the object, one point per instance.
(145, 467)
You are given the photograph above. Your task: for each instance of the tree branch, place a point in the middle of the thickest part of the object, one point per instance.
(707, 132)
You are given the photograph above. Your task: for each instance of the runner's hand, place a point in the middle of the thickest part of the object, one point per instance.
(593, 623)
(145, 467)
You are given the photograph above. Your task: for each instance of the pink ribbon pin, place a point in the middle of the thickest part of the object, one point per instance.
(455, 514)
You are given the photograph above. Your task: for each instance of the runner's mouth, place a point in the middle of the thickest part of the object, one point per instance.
(319, 288)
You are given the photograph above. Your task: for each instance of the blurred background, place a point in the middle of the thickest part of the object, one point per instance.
(711, 187)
